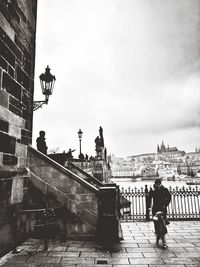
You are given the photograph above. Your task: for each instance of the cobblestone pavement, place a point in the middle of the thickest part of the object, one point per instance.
(137, 249)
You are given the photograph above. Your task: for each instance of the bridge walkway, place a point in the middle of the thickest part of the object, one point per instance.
(137, 249)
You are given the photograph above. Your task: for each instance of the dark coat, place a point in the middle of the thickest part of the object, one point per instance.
(41, 145)
(161, 198)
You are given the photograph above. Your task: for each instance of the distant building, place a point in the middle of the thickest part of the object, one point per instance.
(189, 168)
(169, 151)
(147, 157)
(195, 156)
(148, 172)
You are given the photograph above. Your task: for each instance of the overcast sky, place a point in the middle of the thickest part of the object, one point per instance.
(130, 66)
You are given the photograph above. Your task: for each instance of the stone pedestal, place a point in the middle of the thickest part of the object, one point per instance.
(107, 226)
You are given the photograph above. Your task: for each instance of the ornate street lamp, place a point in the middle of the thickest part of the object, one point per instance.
(47, 81)
(80, 134)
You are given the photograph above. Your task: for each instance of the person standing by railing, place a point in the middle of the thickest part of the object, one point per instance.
(161, 198)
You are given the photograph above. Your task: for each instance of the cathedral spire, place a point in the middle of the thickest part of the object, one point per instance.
(162, 147)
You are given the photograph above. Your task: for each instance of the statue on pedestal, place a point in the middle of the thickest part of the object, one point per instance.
(69, 153)
(41, 143)
(101, 136)
(99, 141)
(97, 146)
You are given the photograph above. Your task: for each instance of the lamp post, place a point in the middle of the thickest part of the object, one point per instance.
(80, 134)
(47, 81)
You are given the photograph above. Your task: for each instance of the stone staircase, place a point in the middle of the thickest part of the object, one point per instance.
(72, 189)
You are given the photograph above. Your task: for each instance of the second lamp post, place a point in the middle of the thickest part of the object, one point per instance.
(80, 134)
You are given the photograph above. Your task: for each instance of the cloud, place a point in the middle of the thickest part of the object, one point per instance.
(130, 66)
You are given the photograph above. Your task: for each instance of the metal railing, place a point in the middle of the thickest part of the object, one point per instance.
(184, 205)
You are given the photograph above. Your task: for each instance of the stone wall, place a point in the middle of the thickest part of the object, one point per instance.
(17, 60)
(5, 228)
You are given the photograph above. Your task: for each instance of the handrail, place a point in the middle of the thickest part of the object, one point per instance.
(64, 169)
(92, 178)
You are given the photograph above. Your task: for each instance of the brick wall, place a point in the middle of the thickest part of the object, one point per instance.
(17, 61)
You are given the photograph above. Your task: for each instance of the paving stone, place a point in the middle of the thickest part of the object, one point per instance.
(187, 254)
(184, 260)
(94, 265)
(32, 253)
(171, 241)
(70, 254)
(37, 254)
(130, 265)
(179, 237)
(19, 258)
(196, 244)
(186, 231)
(147, 237)
(183, 245)
(33, 242)
(174, 250)
(20, 264)
(41, 248)
(194, 234)
(86, 261)
(127, 255)
(166, 265)
(28, 247)
(190, 239)
(194, 239)
(113, 250)
(140, 250)
(90, 245)
(166, 254)
(58, 248)
(126, 231)
(44, 259)
(129, 237)
(130, 245)
(154, 261)
(81, 249)
(198, 259)
(140, 234)
(135, 241)
(53, 265)
(95, 255)
(113, 260)
(192, 249)
(71, 243)
(127, 241)
(147, 245)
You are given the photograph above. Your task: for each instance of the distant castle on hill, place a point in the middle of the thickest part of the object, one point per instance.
(162, 149)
